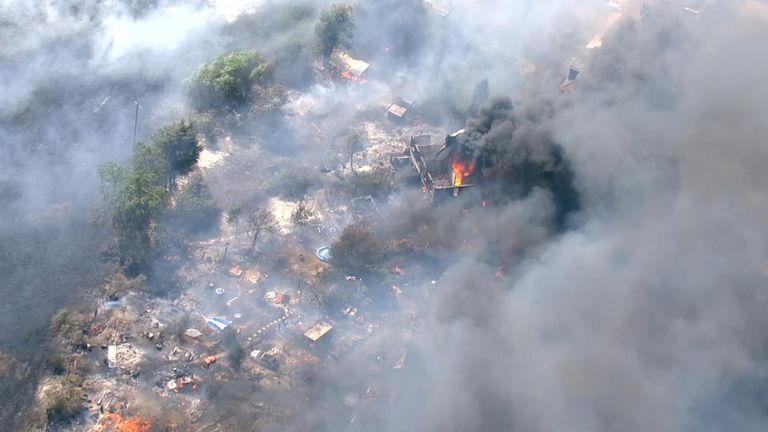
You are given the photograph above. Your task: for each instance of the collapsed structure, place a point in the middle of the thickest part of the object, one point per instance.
(447, 171)
(347, 67)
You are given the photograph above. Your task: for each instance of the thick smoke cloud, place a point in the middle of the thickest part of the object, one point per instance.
(648, 317)
(516, 153)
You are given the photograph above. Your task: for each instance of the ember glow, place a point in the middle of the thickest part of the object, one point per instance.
(113, 422)
(351, 77)
(461, 170)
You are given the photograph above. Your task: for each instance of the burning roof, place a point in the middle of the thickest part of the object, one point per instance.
(443, 169)
(396, 111)
(344, 62)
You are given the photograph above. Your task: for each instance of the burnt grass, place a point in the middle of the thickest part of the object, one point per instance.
(42, 269)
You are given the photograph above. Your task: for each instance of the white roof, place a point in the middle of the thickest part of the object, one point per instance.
(344, 61)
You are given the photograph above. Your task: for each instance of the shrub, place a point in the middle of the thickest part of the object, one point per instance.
(204, 124)
(57, 361)
(376, 182)
(64, 399)
(59, 319)
(357, 250)
(120, 284)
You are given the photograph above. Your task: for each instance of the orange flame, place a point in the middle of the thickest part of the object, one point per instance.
(113, 422)
(354, 78)
(460, 171)
(208, 361)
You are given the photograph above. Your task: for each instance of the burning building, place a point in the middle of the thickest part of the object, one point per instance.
(345, 66)
(447, 171)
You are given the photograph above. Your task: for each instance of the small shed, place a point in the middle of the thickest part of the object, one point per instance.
(317, 331)
(396, 112)
(344, 62)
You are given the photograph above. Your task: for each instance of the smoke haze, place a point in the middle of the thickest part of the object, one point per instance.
(618, 281)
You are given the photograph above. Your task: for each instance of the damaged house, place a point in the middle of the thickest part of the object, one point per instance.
(345, 66)
(446, 171)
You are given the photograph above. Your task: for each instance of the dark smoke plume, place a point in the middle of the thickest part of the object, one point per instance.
(517, 154)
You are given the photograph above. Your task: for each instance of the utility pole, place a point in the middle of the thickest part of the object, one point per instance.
(135, 122)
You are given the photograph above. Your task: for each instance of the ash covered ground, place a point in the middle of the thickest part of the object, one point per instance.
(395, 215)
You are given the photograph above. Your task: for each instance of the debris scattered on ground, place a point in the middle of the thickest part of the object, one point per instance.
(235, 271)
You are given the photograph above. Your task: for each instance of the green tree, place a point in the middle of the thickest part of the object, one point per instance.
(335, 26)
(357, 250)
(227, 81)
(135, 195)
(177, 145)
(132, 195)
(133, 198)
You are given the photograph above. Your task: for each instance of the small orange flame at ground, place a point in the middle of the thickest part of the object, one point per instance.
(398, 271)
(113, 422)
(235, 271)
(354, 78)
(208, 361)
(460, 171)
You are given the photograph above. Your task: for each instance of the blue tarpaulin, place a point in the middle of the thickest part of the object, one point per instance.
(217, 323)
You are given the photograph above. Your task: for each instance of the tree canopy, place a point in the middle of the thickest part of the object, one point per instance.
(227, 81)
(177, 143)
(135, 194)
(357, 250)
(336, 26)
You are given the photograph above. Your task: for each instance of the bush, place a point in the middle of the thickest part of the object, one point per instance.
(376, 182)
(120, 284)
(64, 399)
(59, 319)
(57, 362)
(69, 326)
(293, 183)
(204, 124)
(357, 250)
(302, 214)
